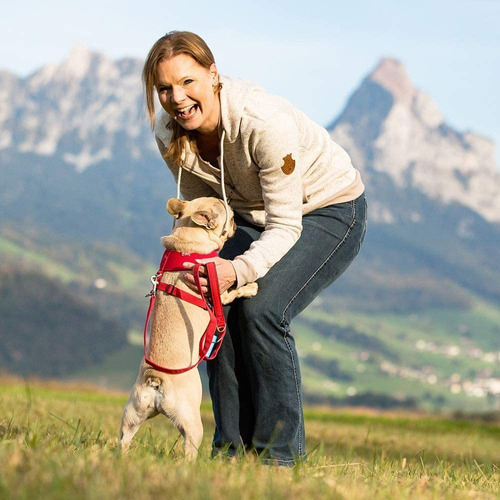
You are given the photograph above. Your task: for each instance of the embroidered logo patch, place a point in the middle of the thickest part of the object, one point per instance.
(288, 164)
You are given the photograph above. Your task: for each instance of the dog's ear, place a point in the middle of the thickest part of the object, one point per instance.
(175, 207)
(205, 219)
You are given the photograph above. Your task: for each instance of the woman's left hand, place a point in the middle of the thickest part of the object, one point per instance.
(225, 273)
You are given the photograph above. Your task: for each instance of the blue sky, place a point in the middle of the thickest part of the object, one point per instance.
(313, 52)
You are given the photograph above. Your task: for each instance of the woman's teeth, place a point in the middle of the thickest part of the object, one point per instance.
(187, 111)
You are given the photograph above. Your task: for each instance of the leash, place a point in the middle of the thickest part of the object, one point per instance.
(211, 340)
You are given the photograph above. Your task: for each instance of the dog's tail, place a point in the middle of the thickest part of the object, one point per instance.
(152, 378)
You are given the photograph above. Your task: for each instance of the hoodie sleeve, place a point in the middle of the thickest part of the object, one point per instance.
(275, 148)
(191, 185)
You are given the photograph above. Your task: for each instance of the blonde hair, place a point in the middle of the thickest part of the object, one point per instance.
(170, 45)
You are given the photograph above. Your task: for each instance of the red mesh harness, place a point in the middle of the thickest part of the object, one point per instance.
(211, 340)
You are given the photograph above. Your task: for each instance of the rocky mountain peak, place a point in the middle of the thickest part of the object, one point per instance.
(86, 109)
(78, 61)
(391, 75)
(392, 129)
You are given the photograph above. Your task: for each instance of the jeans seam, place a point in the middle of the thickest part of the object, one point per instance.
(296, 389)
(341, 242)
(363, 232)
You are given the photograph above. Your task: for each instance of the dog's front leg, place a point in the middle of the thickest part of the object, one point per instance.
(248, 290)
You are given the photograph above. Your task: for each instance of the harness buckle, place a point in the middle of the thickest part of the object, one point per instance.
(154, 282)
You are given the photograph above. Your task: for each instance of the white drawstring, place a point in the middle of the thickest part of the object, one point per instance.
(179, 175)
(222, 180)
(226, 206)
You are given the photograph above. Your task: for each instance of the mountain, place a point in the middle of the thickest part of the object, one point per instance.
(78, 158)
(390, 127)
(433, 194)
(414, 320)
(83, 111)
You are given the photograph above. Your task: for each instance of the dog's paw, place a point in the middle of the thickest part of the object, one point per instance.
(164, 241)
(249, 290)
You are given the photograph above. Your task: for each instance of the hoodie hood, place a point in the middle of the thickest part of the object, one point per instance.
(233, 108)
(234, 95)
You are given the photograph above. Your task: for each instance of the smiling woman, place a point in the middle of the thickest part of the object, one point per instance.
(185, 76)
(185, 90)
(301, 216)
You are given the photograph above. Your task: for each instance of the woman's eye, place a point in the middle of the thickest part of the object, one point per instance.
(165, 89)
(188, 81)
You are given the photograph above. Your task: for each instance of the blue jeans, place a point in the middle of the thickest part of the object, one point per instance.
(255, 380)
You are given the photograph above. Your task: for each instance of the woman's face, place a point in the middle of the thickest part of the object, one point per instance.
(186, 92)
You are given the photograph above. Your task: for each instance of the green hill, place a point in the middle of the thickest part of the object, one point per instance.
(49, 330)
(441, 358)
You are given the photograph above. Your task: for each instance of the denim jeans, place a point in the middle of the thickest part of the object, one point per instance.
(255, 381)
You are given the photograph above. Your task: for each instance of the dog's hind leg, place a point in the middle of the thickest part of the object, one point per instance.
(140, 406)
(183, 408)
(191, 428)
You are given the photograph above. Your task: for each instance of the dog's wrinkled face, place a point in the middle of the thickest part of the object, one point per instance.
(207, 213)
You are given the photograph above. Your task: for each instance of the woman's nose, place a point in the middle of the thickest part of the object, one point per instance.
(178, 95)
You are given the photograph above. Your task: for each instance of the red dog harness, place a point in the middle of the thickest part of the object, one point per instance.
(210, 342)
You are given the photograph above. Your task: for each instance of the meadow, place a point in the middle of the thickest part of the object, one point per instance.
(59, 441)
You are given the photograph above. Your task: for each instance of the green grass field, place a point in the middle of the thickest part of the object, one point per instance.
(59, 442)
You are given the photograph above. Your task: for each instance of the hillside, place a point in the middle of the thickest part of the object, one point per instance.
(47, 329)
(438, 358)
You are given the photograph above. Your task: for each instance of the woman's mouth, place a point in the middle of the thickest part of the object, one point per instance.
(187, 112)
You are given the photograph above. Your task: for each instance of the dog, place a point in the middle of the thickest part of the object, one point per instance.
(177, 327)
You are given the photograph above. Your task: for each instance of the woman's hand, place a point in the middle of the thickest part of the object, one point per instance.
(225, 273)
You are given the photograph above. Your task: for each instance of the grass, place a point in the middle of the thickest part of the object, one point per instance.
(59, 441)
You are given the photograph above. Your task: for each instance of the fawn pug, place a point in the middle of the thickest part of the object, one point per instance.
(177, 327)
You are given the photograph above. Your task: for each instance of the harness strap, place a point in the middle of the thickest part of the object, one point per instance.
(218, 312)
(216, 302)
(209, 342)
(181, 294)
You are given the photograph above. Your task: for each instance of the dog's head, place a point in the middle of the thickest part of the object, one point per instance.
(200, 226)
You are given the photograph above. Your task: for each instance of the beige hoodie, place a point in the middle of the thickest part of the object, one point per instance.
(278, 165)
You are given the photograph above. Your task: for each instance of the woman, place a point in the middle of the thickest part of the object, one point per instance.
(301, 216)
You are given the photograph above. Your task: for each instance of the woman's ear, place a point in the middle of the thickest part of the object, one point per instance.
(175, 207)
(205, 219)
(214, 74)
